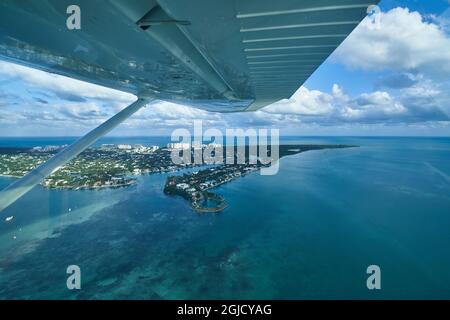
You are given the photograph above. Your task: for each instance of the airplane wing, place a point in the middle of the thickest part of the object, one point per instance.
(218, 55)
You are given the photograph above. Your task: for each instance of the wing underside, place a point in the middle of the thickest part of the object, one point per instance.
(219, 55)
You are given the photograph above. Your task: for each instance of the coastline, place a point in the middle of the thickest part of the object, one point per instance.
(193, 186)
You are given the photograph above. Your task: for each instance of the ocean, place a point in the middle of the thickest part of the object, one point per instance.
(309, 232)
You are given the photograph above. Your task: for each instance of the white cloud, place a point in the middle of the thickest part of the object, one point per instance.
(169, 110)
(84, 111)
(304, 102)
(420, 103)
(337, 106)
(373, 107)
(401, 40)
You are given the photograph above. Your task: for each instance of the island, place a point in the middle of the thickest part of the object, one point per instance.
(114, 166)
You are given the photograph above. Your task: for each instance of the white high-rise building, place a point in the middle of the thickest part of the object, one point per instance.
(178, 146)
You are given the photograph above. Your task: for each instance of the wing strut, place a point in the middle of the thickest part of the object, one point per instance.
(20, 187)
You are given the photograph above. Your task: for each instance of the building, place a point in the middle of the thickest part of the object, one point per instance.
(107, 146)
(182, 186)
(178, 146)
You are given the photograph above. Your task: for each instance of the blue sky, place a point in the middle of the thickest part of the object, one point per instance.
(390, 77)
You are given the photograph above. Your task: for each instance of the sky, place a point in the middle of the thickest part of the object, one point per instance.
(390, 77)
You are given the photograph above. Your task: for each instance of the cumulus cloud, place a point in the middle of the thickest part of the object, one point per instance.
(398, 40)
(305, 102)
(420, 103)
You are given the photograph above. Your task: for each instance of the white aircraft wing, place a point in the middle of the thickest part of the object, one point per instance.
(219, 55)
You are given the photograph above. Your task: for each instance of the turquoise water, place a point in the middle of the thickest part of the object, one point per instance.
(308, 232)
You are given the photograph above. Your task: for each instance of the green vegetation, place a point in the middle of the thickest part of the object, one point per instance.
(105, 167)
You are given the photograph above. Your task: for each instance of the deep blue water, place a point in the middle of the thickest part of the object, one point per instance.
(308, 232)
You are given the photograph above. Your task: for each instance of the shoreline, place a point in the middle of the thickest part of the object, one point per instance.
(196, 189)
(9, 176)
(77, 188)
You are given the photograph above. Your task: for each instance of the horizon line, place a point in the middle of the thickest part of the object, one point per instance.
(286, 136)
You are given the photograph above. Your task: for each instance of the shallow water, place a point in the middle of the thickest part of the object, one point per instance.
(308, 232)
